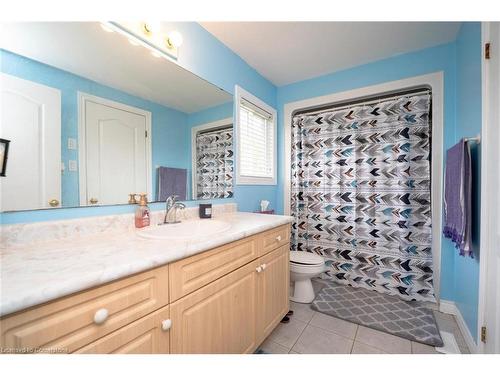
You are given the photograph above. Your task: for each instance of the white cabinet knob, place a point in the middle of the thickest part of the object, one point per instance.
(259, 269)
(100, 316)
(263, 266)
(166, 325)
(278, 238)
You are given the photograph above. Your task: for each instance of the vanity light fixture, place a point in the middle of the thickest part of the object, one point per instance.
(148, 35)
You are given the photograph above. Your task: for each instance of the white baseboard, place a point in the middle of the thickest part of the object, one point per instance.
(449, 307)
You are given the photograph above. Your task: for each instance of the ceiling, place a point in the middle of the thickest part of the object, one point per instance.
(287, 52)
(85, 49)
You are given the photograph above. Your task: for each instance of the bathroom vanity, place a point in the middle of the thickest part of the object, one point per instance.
(222, 299)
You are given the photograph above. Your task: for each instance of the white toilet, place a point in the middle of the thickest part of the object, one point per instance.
(303, 267)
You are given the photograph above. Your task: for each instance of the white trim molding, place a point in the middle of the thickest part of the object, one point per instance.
(83, 98)
(196, 129)
(239, 94)
(436, 82)
(490, 137)
(449, 307)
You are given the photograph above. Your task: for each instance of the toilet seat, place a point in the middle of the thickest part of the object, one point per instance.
(305, 259)
(307, 270)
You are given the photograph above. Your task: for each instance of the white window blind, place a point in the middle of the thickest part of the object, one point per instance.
(256, 137)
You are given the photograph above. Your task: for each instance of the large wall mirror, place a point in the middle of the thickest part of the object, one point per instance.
(91, 117)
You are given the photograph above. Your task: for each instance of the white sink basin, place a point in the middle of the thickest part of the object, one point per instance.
(186, 230)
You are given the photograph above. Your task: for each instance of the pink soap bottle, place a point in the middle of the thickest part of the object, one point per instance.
(142, 213)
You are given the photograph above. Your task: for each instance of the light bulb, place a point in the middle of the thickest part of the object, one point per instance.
(151, 27)
(106, 27)
(174, 39)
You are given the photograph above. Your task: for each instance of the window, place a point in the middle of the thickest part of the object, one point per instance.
(256, 139)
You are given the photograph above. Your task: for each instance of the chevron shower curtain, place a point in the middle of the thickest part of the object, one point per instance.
(361, 193)
(214, 164)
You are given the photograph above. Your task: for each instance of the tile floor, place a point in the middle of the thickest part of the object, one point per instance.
(311, 332)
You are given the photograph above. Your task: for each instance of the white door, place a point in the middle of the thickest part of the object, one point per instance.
(490, 234)
(116, 152)
(30, 116)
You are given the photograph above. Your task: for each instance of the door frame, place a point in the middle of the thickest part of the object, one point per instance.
(489, 177)
(83, 98)
(196, 129)
(433, 80)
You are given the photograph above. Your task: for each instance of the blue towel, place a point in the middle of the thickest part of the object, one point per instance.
(457, 197)
(171, 181)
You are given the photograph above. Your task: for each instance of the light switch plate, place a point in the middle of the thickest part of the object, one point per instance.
(72, 166)
(71, 144)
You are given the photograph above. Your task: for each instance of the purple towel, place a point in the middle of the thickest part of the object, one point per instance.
(171, 181)
(457, 197)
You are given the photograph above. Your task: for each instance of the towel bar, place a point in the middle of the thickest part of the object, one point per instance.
(477, 139)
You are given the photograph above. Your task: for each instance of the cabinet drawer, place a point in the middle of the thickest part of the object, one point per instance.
(187, 275)
(144, 336)
(274, 238)
(68, 324)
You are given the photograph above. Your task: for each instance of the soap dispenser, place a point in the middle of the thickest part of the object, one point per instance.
(142, 215)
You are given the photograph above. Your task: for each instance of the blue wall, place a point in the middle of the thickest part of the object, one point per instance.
(210, 114)
(171, 136)
(468, 124)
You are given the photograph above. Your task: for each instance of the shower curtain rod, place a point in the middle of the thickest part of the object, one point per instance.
(214, 130)
(366, 100)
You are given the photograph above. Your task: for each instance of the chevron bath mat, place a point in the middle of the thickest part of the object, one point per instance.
(372, 309)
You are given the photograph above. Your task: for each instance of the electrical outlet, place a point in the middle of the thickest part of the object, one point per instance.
(71, 144)
(72, 166)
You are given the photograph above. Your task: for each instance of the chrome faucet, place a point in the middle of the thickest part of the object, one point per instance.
(171, 206)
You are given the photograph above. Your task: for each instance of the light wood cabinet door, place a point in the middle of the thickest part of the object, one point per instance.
(72, 322)
(149, 335)
(272, 290)
(218, 318)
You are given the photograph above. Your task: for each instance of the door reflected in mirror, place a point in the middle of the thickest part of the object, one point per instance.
(92, 118)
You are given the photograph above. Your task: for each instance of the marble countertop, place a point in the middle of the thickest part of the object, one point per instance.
(34, 274)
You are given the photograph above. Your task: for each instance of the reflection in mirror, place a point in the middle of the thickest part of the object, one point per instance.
(213, 160)
(93, 119)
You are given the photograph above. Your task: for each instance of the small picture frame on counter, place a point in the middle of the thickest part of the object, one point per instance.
(4, 152)
(205, 211)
